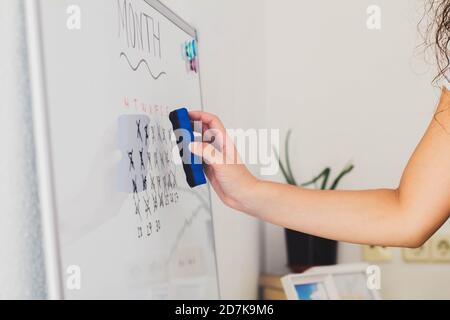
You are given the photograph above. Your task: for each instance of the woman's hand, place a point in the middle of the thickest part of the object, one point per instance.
(229, 177)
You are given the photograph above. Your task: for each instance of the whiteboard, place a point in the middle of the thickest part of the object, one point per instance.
(119, 219)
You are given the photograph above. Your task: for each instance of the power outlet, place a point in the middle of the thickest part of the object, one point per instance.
(422, 254)
(377, 254)
(440, 248)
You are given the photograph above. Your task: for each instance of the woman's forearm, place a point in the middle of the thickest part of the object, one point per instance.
(369, 217)
(406, 217)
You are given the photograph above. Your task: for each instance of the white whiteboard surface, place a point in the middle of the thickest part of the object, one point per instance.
(116, 205)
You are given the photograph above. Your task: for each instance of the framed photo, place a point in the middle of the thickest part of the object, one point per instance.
(309, 287)
(350, 281)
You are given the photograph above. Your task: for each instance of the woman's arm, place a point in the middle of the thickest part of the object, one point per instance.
(405, 217)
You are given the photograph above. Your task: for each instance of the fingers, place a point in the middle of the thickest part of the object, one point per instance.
(208, 119)
(216, 135)
(199, 127)
(212, 128)
(207, 152)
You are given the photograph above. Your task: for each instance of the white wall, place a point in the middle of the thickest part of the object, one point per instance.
(351, 94)
(233, 67)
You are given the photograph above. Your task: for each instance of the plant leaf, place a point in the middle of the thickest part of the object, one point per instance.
(283, 170)
(326, 176)
(288, 162)
(344, 172)
(314, 181)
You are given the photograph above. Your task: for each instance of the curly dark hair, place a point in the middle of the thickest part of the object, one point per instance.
(435, 27)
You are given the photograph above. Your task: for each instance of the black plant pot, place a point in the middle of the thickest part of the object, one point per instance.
(305, 251)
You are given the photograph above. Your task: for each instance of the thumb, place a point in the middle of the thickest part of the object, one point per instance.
(207, 152)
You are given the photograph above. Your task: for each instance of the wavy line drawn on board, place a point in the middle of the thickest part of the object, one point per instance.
(140, 63)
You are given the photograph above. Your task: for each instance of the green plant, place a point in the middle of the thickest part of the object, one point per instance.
(324, 176)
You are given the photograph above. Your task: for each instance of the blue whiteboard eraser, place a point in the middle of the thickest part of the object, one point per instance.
(192, 164)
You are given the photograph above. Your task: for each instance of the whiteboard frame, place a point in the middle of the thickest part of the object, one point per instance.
(173, 17)
(43, 144)
(44, 167)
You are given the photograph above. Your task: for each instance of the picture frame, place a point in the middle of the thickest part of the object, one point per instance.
(339, 282)
(309, 287)
(350, 281)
